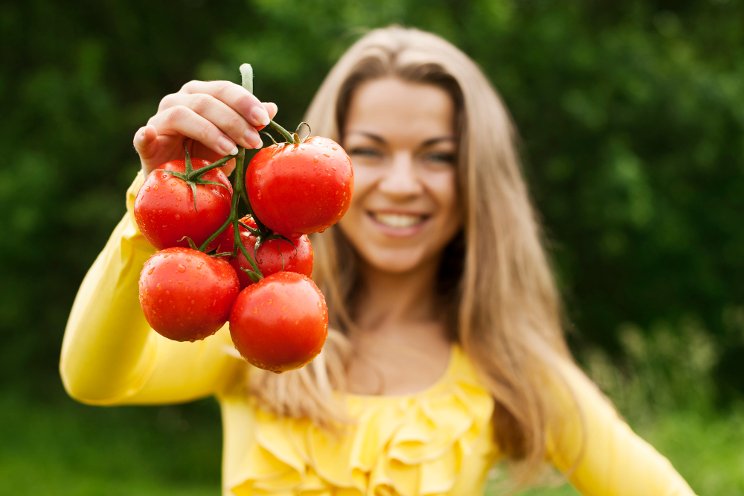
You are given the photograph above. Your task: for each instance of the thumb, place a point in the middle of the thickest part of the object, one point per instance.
(144, 141)
(145, 144)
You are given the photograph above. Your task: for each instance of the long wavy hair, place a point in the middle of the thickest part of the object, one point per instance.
(505, 311)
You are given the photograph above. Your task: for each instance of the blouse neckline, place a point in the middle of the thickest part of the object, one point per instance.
(442, 381)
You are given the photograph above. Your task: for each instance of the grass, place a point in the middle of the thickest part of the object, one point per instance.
(61, 448)
(706, 449)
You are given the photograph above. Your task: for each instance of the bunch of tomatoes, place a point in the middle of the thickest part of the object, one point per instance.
(236, 249)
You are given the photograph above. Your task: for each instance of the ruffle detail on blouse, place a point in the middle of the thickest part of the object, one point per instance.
(406, 445)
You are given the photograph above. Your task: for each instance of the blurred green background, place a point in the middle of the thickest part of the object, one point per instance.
(631, 116)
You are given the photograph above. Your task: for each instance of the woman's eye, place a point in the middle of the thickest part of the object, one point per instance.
(364, 152)
(441, 157)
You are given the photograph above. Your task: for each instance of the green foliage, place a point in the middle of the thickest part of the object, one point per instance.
(638, 169)
(63, 448)
(657, 371)
(630, 116)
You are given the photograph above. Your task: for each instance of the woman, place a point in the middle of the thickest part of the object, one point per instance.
(446, 354)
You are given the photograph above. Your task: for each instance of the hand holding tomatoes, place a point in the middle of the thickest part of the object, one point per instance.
(279, 320)
(216, 115)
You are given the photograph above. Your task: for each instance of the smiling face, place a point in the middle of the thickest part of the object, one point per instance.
(401, 139)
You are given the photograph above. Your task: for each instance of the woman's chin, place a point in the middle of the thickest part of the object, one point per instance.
(396, 263)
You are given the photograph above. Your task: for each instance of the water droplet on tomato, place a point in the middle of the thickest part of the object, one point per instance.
(181, 268)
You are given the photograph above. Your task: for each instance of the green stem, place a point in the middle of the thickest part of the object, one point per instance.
(246, 76)
(286, 134)
(263, 231)
(238, 193)
(238, 184)
(195, 174)
(233, 205)
(246, 81)
(214, 235)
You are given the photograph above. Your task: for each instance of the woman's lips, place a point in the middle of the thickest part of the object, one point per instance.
(398, 219)
(398, 223)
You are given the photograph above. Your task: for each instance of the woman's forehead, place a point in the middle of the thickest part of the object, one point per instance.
(393, 107)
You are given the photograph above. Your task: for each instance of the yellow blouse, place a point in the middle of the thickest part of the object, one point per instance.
(435, 442)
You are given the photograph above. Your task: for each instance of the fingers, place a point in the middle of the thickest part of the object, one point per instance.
(182, 120)
(217, 115)
(271, 109)
(144, 142)
(235, 96)
(213, 112)
(207, 120)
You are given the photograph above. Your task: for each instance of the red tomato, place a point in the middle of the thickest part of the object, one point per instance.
(280, 323)
(274, 255)
(186, 294)
(164, 207)
(300, 188)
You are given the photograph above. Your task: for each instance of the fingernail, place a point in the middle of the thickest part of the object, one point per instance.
(272, 108)
(259, 116)
(139, 136)
(253, 139)
(227, 147)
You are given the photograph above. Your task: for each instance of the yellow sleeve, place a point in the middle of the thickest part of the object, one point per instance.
(608, 459)
(110, 355)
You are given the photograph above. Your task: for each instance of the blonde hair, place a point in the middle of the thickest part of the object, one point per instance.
(506, 313)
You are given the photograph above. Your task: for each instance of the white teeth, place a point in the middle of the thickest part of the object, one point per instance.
(398, 220)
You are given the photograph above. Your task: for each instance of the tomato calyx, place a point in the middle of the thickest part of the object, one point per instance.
(193, 177)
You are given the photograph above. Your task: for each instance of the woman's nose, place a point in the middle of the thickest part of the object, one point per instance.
(401, 177)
